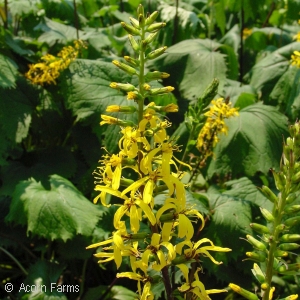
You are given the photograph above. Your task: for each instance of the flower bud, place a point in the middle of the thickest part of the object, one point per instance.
(268, 194)
(257, 256)
(259, 228)
(280, 253)
(292, 221)
(124, 67)
(126, 182)
(291, 197)
(141, 19)
(258, 273)
(292, 209)
(135, 46)
(255, 243)
(169, 217)
(114, 121)
(155, 27)
(267, 215)
(288, 246)
(246, 294)
(123, 109)
(140, 10)
(126, 87)
(130, 29)
(288, 267)
(296, 178)
(151, 19)
(280, 180)
(156, 75)
(132, 61)
(149, 39)
(280, 227)
(290, 238)
(134, 22)
(210, 92)
(134, 95)
(264, 286)
(156, 53)
(163, 90)
(291, 297)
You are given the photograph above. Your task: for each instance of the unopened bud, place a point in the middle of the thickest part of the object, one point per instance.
(155, 27)
(163, 90)
(296, 178)
(134, 22)
(140, 10)
(135, 46)
(257, 256)
(130, 29)
(288, 246)
(132, 61)
(292, 209)
(259, 228)
(246, 294)
(290, 238)
(255, 243)
(122, 109)
(292, 221)
(150, 38)
(156, 53)
(126, 87)
(268, 194)
(267, 215)
(280, 180)
(280, 253)
(124, 67)
(151, 18)
(288, 267)
(156, 75)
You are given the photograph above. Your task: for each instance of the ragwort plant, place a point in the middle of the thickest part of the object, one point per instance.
(276, 241)
(146, 148)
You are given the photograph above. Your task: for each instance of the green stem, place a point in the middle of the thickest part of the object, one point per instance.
(277, 213)
(15, 260)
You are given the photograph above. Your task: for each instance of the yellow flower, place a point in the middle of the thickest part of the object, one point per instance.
(108, 120)
(196, 287)
(214, 125)
(194, 251)
(296, 59)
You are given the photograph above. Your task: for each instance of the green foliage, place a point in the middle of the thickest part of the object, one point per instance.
(60, 212)
(252, 144)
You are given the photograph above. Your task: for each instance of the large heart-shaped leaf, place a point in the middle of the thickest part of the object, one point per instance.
(58, 213)
(192, 65)
(253, 143)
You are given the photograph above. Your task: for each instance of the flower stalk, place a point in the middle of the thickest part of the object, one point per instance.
(277, 243)
(146, 148)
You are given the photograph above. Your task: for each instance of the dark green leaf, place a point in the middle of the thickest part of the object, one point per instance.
(58, 213)
(253, 143)
(43, 277)
(8, 74)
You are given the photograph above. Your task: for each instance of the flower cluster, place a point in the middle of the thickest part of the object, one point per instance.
(49, 69)
(295, 61)
(146, 148)
(277, 242)
(214, 125)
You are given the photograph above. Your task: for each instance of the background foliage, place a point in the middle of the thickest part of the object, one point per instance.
(50, 138)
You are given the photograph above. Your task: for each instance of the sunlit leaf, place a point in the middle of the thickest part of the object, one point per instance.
(192, 65)
(9, 71)
(60, 212)
(253, 143)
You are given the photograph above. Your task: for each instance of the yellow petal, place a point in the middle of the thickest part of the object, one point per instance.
(166, 232)
(119, 214)
(185, 227)
(185, 271)
(148, 212)
(134, 219)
